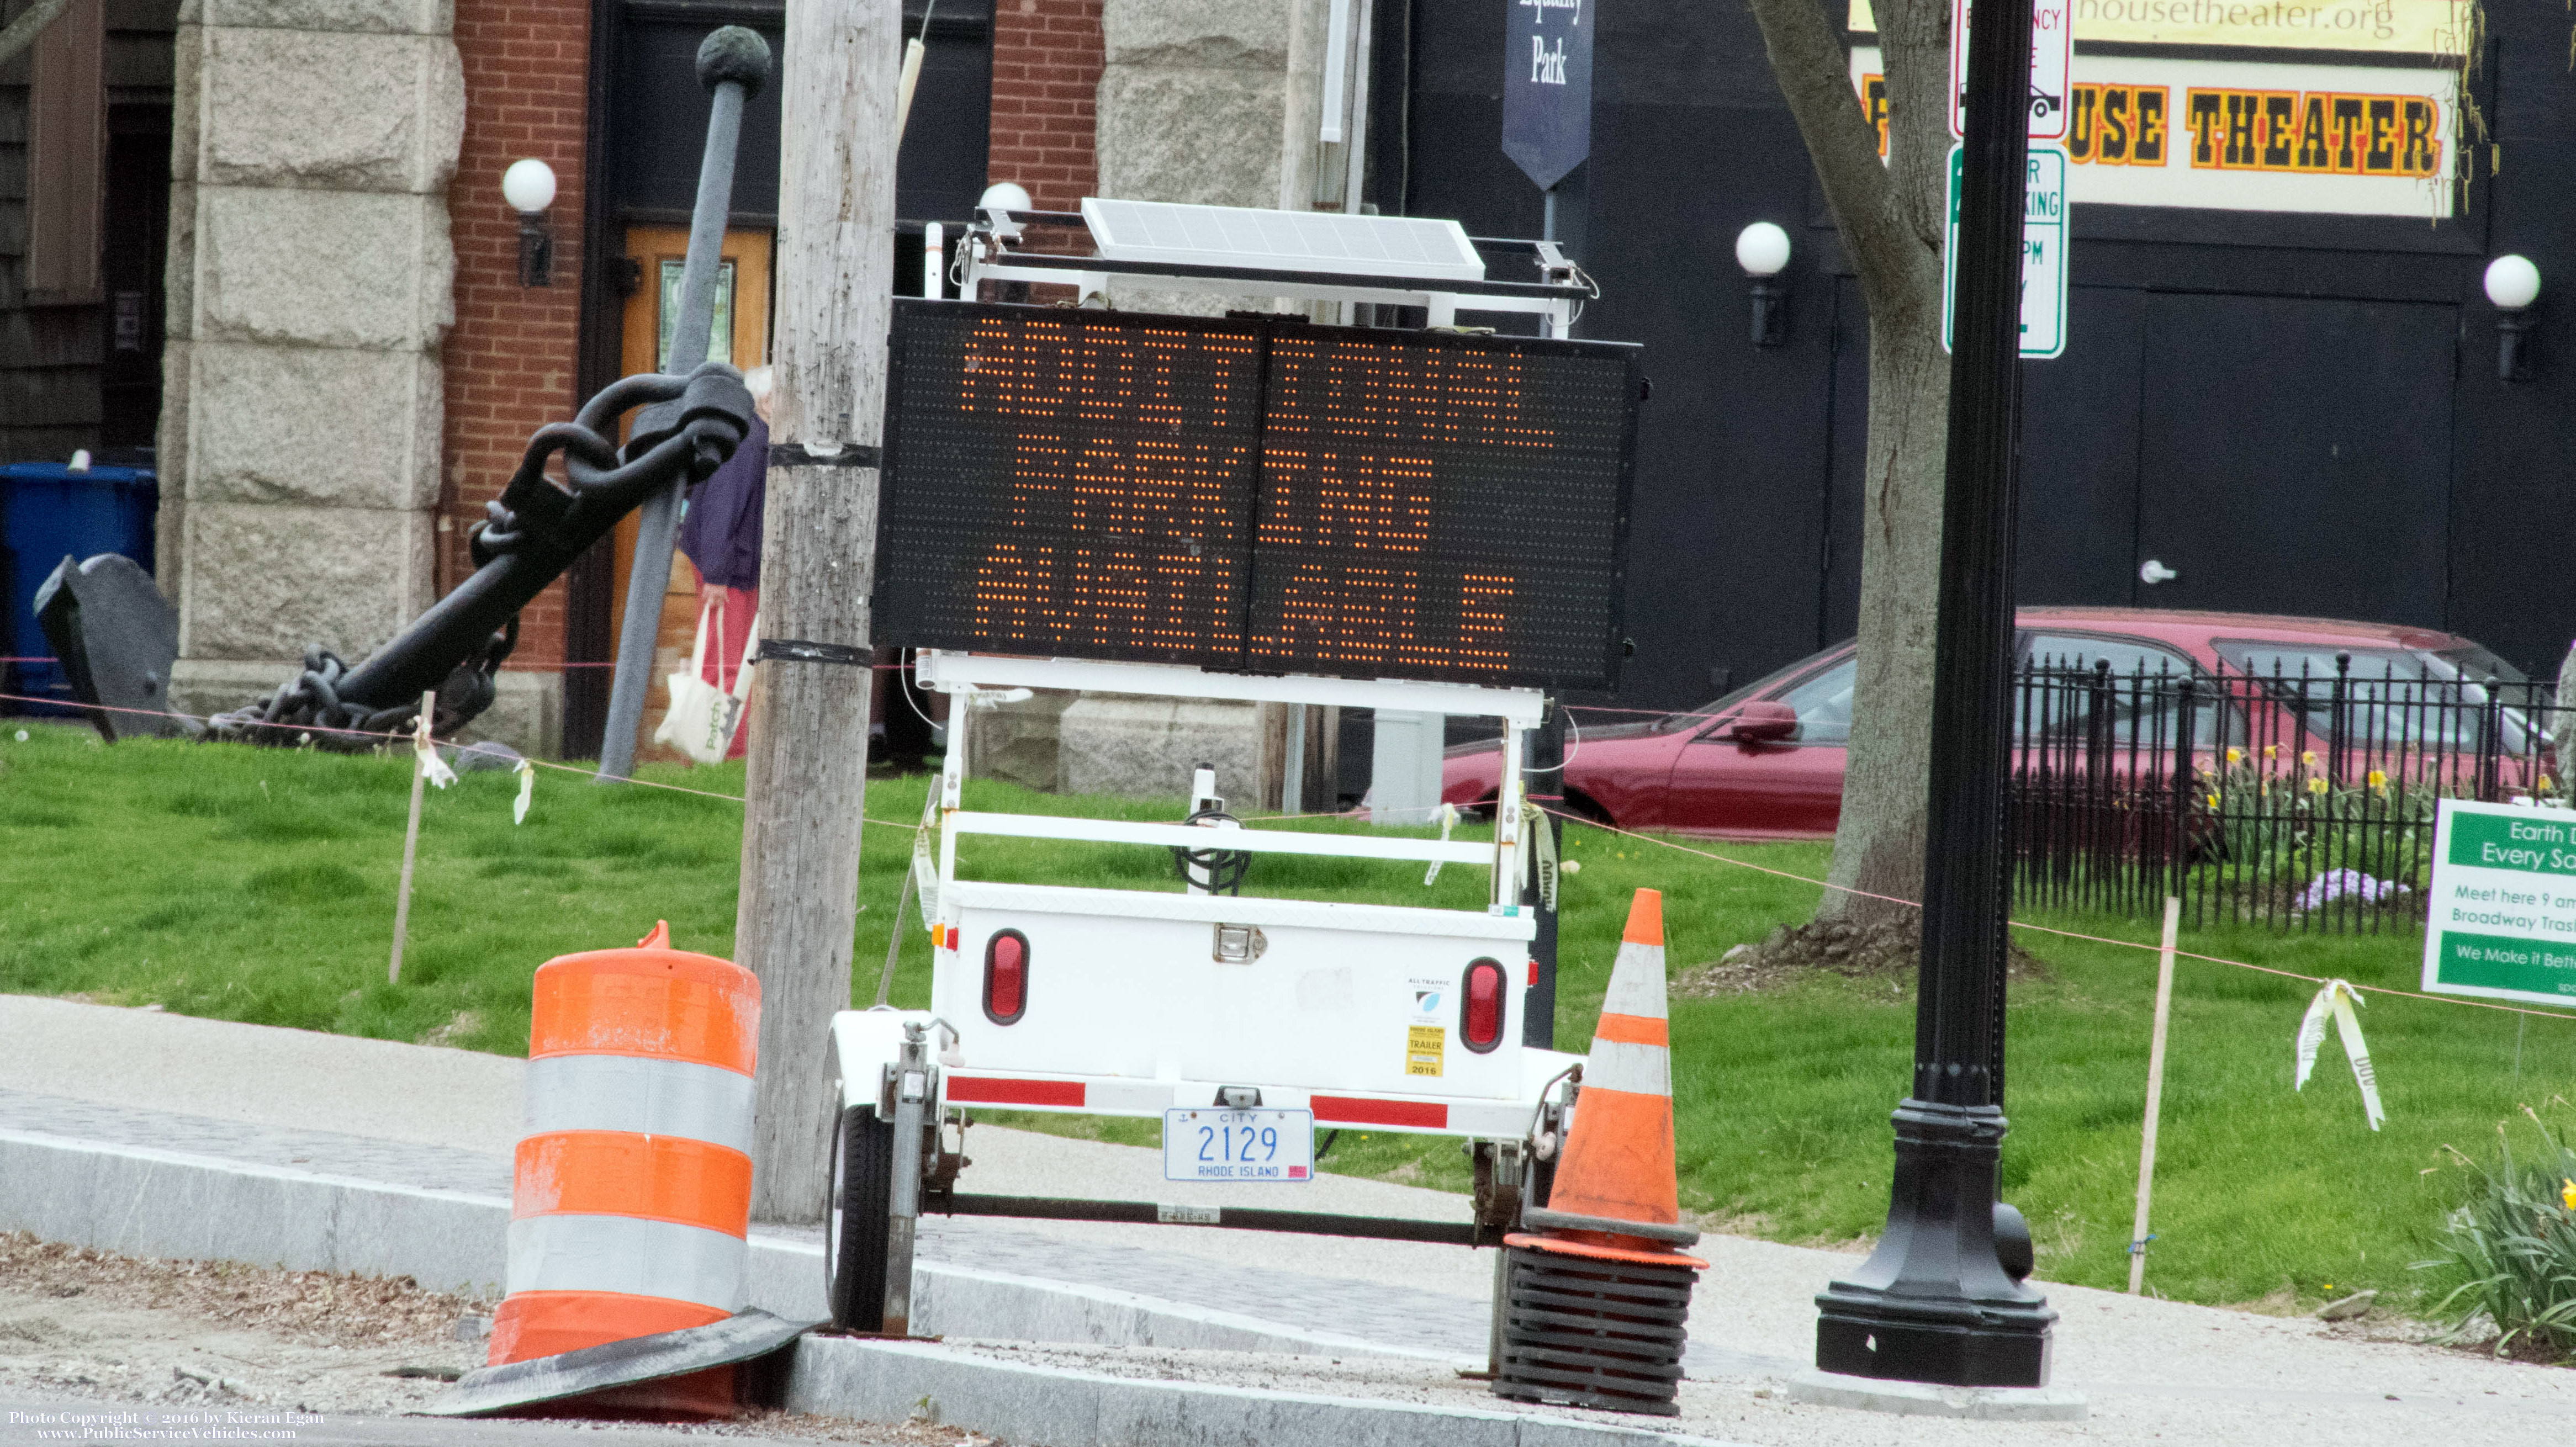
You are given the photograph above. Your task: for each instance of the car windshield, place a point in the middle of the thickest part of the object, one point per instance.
(1823, 704)
(1700, 717)
(2077, 686)
(2396, 696)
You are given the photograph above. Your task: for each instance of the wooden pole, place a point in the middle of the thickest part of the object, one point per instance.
(2155, 1093)
(809, 720)
(411, 847)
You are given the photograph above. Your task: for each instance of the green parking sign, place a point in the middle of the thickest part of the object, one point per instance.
(2501, 917)
(2045, 228)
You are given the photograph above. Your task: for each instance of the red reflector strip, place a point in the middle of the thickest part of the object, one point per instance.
(967, 1090)
(1351, 1110)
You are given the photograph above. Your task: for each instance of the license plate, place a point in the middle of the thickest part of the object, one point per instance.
(1208, 1144)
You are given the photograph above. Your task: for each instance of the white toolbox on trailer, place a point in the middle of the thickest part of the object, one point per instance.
(1173, 991)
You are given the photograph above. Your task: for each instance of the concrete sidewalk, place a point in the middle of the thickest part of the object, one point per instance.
(344, 1127)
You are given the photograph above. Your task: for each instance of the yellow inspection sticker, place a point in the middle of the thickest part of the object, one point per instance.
(1423, 1051)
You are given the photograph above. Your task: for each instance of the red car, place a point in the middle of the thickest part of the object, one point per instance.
(1766, 761)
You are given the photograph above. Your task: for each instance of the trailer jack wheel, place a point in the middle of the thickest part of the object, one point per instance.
(855, 1233)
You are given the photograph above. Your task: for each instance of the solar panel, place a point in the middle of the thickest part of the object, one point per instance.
(1411, 247)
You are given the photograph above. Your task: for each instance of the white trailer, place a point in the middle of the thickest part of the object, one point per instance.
(1246, 1024)
(1258, 1014)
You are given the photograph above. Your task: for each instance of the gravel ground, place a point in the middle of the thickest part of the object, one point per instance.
(199, 1336)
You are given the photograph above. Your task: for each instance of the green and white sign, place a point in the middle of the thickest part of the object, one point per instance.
(2501, 919)
(2045, 230)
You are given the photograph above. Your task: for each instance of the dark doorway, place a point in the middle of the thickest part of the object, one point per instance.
(135, 211)
(2277, 454)
(2294, 455)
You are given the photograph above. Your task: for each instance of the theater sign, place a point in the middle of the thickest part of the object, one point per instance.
(2350, 109)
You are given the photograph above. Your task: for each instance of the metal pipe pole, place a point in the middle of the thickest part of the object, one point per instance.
(1933, 1302)
(733, 64)
(1545, 773)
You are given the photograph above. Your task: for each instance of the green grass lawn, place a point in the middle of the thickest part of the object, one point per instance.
(258, 885)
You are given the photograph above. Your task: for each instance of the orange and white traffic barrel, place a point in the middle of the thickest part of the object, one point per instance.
(1596, 1295)
(631, 1204)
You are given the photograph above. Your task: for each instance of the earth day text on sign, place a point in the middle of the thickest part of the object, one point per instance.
(2043, 253)
(2501, 917)
(2052, 56)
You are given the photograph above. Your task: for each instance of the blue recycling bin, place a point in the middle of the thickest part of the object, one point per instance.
(48, 512)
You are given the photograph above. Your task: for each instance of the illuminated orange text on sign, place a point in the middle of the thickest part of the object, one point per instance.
(1109, 540)
(1064, 372)
(1254, 493)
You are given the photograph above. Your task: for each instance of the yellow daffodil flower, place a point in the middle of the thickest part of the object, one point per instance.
(2309, 759)
(2567, 1193)
(2271, 751)
(2213, 801)
(2316, 786)
(2378, 779)
(2235, 756)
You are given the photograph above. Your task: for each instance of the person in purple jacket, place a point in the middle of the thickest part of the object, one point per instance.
(720, 536)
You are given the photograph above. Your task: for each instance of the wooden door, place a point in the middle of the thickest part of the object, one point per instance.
(742, 318)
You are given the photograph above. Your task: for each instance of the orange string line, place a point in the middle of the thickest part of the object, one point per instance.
(1569, 818)
(2063, 933)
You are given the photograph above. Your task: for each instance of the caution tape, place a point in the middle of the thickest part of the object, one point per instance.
(425, 748)
(2338, 999)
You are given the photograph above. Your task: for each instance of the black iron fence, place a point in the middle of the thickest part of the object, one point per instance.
(2299, 798)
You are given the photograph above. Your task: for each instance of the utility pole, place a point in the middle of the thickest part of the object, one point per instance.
(809, 717)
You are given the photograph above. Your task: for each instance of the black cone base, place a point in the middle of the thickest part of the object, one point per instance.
(1586, 1333)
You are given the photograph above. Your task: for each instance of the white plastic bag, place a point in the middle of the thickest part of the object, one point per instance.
(703, 717)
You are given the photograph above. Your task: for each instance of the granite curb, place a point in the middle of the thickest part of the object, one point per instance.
(149, 1201)
(884, 1381)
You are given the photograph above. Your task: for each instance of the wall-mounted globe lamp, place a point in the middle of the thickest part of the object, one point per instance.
(2513, 284)
(529, 187)
(1007, 195)
(1762, 249)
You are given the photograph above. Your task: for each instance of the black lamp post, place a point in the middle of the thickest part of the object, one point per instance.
(1933, 1303)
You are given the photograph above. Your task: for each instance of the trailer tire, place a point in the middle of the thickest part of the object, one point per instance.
(856, 1225)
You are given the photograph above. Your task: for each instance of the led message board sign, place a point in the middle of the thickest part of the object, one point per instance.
(1255, 495)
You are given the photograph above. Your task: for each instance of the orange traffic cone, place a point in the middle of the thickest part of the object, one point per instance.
(1596, 1295)
(1617, 1194)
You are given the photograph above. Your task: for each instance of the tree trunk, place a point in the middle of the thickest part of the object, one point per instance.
(809, 721)
(1891, 220)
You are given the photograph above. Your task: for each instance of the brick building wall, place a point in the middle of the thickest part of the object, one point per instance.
(1047, 56)
(509, 361)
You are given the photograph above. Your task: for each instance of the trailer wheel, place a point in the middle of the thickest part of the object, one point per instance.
(854, 1235)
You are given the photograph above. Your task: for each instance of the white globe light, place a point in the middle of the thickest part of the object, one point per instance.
(2513, 282)
(1009, 195)
(529, 186)
(1762, 249)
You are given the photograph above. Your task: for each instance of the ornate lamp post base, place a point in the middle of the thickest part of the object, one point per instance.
(1933, 1303)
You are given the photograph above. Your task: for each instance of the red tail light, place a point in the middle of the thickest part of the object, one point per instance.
(1480, 1006)
(1006, 976)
